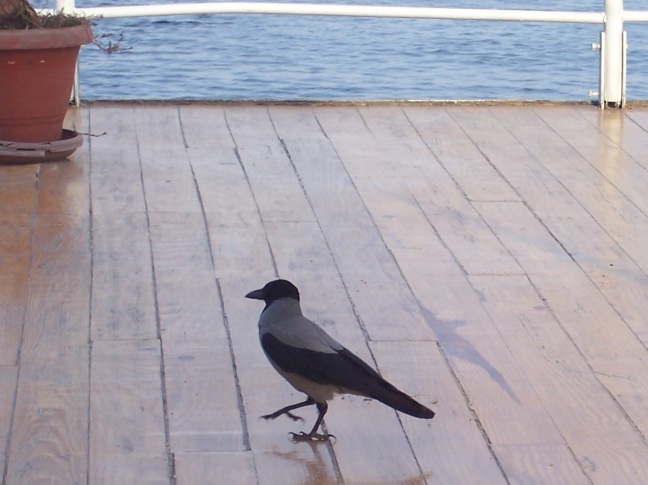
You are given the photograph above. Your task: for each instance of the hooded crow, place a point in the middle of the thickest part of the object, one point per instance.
(316, 364)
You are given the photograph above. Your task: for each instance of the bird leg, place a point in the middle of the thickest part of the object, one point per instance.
(287, 410)
(322, 407)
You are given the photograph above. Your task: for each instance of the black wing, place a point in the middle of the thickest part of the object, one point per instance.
(342, 369)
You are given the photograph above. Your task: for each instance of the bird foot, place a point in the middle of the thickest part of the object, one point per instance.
(311, 437)
(277, 414)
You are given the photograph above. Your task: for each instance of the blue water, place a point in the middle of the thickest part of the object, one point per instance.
(250, 57)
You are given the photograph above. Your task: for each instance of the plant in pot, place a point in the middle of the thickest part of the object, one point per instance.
(38, 55)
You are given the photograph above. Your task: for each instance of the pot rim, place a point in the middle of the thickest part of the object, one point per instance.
(31, 39)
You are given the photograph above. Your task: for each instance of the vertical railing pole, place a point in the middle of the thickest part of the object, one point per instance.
(68, 6)
(612, 60)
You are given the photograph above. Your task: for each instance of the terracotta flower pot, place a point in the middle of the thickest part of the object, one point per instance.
(36, 77)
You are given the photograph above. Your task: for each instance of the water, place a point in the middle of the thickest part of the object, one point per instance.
(250, 57)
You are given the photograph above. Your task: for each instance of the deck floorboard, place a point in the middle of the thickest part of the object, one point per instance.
(489, 260)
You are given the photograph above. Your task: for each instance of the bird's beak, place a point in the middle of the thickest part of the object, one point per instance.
(255, 295)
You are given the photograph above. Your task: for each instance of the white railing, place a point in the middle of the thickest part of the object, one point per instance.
(612, 46)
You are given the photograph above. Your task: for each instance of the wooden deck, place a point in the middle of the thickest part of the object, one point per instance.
(489, 260)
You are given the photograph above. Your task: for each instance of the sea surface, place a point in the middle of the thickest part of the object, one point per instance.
(254, 57)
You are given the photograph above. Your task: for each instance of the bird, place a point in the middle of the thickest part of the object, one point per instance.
(315, 364)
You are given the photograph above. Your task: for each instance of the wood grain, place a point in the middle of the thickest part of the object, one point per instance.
(439, 196)
(629, 133)
(454, 150)
(204, 413)
(16, 230)
(49, 434)
(567, 389)
(349, 229)
(607, 343)
(238, 241)
(123, 305)
(127, 427)
(539, 464)
(8, 386)
(604, 189)
(231, 467)
(595, 142)
(167, 178)
(420, 369)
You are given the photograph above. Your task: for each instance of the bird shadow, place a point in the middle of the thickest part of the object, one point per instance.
(456, 346)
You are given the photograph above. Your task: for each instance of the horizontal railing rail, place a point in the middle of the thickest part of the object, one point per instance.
(343, 11)
(613, 44)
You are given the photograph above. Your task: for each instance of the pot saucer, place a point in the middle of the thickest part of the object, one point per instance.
(15, 152)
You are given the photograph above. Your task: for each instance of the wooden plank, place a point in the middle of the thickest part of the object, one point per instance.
(63, 190)
(451, 447)
(539, 464)
(370, 274)
(596, 144)
(353, 421)
(49, 435)
(584, 170)
(604, 235)
(229, 207)
(513, 161)
(188, 302)
(564, 382)
(18, 198)
(169, 185)
(624, 128)
(123, 304)
(197, 364)
(471, 341)
(276, 189)
(633, 136)
(127, 426)
(499, 392)
(116, 172)
(205, 127)
(15, 260)
(8, 388)
(484, 364)
(238, 241)
(435, 191)
(18, 188)
(278, 460)
(309, 260)
(233, 467)
(204, 414)
(605, 340)
(458, 155)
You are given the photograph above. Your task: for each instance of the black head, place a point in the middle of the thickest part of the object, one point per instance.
(275, 290)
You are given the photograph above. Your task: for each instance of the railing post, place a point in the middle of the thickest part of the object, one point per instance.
(67, 5)
(613, 47)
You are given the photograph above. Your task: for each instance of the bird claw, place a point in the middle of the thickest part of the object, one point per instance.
(311, 437)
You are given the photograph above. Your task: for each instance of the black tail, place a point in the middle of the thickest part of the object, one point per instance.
(392, 397)
(354, 374)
